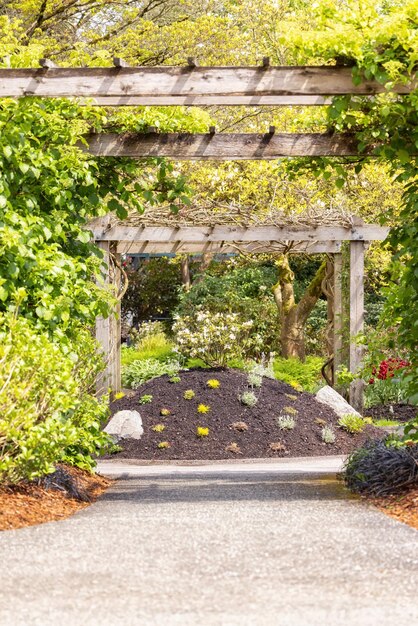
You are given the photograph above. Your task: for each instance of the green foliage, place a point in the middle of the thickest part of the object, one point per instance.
(153, 290)
(216, 338)
(189, 394)
(158, 428)
(255, 380)
(352, 423)
(138, 372)
(47, 413)
(145, 399)
(304, 375)
(244, 290)
(286, 422)
(202, 431)
(328, 435)
(203, 408)
(392, 390)
(248, 398)
(378, 40)
(213, 383)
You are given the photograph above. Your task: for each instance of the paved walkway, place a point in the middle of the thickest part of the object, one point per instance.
(224, 544)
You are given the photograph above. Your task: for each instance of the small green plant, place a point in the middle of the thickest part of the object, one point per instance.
(174, 379)
(158, 428)
(119, 395)
(140, 371)
(384, 423)
(145, 399)
(290, 410)
(201, 431)
(213, 383)
(189, 394)
(286, 422)
(165, 412)
(328, 435)
(352, 423)
(163, 445)
(291, 396)
(203, 408)
(248, 398)
(254, 379)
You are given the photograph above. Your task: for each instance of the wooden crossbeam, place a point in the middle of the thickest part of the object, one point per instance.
(224, 234)
(266, 247)
(220, 146)
(149, 84)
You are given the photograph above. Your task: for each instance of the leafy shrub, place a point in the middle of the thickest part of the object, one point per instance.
(255, 380)
(146, 330)
(47, 413)
(145, 399)
(213, 383)
(155, 347)
(305, 375)
(285, 422)
(139, 372)
(245, 291)
(328, 435)
(352, 423)
(215, 338)
(201, 431)
(379, 469)
(248, 398)
(189, 394)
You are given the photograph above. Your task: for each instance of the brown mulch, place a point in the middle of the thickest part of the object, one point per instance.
(401, 412)
(260, 435)
(403, 508)
(30, 503)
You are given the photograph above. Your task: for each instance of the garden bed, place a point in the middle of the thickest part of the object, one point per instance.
(235, 430)
(399, 412)
(402, 507)
(30, 503)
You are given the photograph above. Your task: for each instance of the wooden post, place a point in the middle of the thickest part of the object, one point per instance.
(108, 329)
(356, 319)
(338, 312)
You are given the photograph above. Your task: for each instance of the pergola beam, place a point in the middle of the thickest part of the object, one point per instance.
(220, 146)
(265, 247)
(250, 83)
(250, 234)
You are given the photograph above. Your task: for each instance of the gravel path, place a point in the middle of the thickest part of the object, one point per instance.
(245, 545)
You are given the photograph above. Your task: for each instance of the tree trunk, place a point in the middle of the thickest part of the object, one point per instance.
(185, 273)
(294, 316)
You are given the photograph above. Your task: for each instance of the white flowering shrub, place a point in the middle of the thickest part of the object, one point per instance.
(216, 338)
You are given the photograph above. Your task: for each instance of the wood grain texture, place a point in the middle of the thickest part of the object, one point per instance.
(266, 247)
(251, 234)
(248, 82)
(220, 147)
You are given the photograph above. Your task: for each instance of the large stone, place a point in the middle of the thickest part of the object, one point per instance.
(328, 395)
(125, 425)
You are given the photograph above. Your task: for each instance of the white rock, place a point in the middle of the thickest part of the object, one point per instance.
(125, 425)
(328, 395)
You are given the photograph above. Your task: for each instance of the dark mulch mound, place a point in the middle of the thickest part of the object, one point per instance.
(225, 409)
(401, 412)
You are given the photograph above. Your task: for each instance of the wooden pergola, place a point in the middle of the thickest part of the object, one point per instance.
(192, 85)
